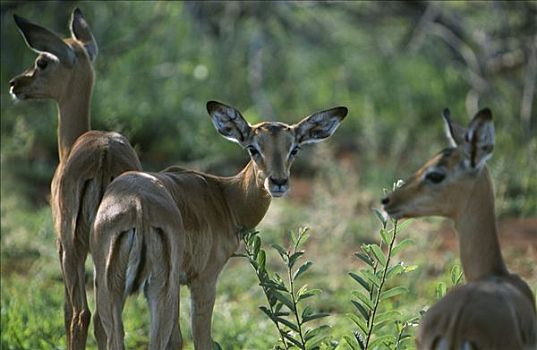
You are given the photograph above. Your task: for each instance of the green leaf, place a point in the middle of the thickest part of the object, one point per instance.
(410, 268)
(361, 281)
(382, 342)
(387, 315)
(440, 290)
(282, 314)
(401, 225)
(365, 258)
(379, 255)
(314, 316)
(284, 299)
(310, 333)
(313, 341)
(308, 293)
(364, 299)
(298, 238)
(361, 309)
(371, 277)
(401, 245)
(272, 285)
(386, 236)
(456, 274)
(360, 322)
(281, 251)
(302, 269)
(293, 340)
(255, 246)
(287, 323)
(395, 270)
(267, 312)
(352, 342)
(261, 258)
(393, 292)
(293, 258)
(381, 217)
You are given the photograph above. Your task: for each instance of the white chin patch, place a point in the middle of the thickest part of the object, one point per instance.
(277, 194)
(13, 95)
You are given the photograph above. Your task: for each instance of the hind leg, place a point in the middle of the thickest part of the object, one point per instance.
(163, 300)
(109, 308)
(98, 328)
(77, 313)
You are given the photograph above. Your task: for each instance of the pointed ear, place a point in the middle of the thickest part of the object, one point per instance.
(320, 125)
(454, 132)
(41, 39)
(229, 123)
(80, 31)
(479, 139)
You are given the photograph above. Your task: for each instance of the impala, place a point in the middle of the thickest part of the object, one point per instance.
(494, 310)
(88, 160)
(181, 226)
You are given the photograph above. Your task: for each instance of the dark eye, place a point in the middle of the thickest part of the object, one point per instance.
(41, 64)
(253, 151)
(294, 151)
(435, 177)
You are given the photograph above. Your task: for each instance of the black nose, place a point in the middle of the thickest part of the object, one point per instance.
(385, 200)
(12, 82)
(279, 182)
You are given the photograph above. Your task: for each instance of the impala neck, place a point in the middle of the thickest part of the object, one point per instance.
(73, 115)
(247, 198)
(478, 239)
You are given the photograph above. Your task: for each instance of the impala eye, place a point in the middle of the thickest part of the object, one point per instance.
(294, 151)
(435, 177)
(41, 64)
(253, 151)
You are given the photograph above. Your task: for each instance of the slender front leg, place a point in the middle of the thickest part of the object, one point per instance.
(203, 293)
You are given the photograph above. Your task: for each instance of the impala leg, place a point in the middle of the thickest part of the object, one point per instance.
(164, 306)
(203, 293)
(109, 307)
(77, 313)
(98, 328)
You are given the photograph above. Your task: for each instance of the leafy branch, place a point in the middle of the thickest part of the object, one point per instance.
(373, 279)
(285, 299)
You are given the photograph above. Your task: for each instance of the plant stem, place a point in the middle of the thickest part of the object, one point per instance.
(295, 304)
(383, 279)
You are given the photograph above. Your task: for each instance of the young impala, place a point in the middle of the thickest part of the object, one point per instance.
(89, 160)
(495, 310)
(181, 226)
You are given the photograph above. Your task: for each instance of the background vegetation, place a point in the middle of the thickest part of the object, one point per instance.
(395, 65)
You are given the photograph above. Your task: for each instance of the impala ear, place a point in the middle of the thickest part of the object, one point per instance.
(454, 132)
(319, 125)
(80, 31)
(479, 139)
(40, 39)
(229, 123)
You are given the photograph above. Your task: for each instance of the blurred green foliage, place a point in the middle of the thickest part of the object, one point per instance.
(395, 65)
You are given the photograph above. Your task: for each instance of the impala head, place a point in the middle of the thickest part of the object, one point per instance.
(60, 62)
(445, 182)
(273, 146)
